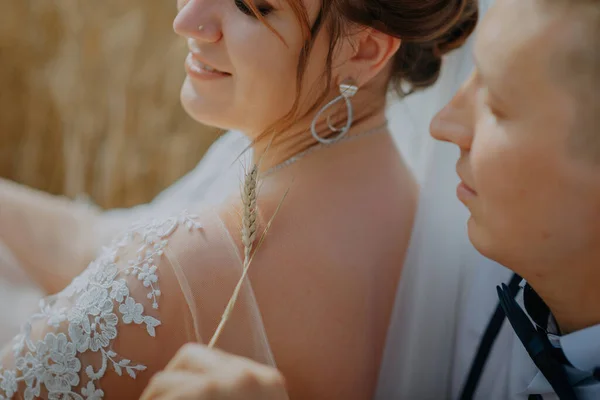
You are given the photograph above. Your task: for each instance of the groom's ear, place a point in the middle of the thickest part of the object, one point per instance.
(368, 54)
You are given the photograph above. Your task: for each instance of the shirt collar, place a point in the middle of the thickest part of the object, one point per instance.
(580, 348)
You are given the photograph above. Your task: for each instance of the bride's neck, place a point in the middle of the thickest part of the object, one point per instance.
(269, 151)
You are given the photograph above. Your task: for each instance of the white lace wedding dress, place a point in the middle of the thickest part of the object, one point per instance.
(102, 326)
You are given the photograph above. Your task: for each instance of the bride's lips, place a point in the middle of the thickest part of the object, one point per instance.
(200, 69)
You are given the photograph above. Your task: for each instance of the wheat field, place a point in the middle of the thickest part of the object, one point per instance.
(89, 99)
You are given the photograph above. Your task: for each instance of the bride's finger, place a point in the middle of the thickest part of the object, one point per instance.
(178, 385)
(201, 359)
(223, 373)
(197, 358)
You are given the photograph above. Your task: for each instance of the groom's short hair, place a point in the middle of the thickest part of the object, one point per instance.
(578, 67)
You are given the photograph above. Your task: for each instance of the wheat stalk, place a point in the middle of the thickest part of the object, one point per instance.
(249, 195)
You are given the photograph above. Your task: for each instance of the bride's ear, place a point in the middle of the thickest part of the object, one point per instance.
(369, 53)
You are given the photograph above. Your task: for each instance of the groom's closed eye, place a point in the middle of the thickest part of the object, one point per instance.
(490, 100)
(493, 104)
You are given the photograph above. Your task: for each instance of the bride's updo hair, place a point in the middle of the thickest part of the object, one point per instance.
(428, 30)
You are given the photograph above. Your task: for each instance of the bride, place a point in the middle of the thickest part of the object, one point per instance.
(306, 82)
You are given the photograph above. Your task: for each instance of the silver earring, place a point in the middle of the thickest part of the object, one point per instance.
(347, 91)
(200, 27)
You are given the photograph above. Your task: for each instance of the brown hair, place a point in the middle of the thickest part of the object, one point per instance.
(428, 29)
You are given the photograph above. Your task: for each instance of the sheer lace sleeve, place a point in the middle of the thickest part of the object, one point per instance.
(125, 316)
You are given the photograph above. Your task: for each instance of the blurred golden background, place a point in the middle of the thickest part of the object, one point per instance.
(89, 99)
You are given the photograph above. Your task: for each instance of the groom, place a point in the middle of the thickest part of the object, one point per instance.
(528, 127)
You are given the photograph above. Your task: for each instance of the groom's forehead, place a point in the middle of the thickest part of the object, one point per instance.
(533, 36)
(558, 33)
(515, 38)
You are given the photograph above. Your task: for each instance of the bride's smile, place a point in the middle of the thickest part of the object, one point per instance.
(198, 68)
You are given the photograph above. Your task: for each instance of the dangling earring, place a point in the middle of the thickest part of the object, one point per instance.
(347, 91)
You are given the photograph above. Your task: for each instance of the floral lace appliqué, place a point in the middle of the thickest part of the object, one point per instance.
(99, 299)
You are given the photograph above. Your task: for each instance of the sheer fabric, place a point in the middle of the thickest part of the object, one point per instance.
(162, 283)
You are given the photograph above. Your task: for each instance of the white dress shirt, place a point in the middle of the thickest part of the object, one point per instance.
(509, 372)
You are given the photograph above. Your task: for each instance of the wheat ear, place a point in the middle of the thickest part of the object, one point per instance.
(249, 194)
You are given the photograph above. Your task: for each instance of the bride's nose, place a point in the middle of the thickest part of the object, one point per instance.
(454, 122)
(199, 20)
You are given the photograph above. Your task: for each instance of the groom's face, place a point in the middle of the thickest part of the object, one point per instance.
(533, 193)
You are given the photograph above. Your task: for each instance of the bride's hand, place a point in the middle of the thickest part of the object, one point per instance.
(199, 373)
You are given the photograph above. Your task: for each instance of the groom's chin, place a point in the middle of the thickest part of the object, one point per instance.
(481, 239)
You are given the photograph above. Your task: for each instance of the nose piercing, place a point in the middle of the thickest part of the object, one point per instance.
(200, 27)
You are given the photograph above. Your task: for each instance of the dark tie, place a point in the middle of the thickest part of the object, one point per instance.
(537, 345)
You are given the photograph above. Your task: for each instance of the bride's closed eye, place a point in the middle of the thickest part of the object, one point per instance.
(263, 9)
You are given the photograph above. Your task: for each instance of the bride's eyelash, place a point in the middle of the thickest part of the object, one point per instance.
(264, 10)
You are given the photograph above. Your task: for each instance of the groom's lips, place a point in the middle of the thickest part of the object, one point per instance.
(464, 192)
(467, 188)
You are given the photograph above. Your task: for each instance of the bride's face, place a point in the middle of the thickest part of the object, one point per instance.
(254, 84)
(534, 197)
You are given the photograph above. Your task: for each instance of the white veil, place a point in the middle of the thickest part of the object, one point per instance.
(419, 351)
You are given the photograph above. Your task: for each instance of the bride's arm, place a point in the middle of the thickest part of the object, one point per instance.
(106, 333)
(152, 290)
(51, 237)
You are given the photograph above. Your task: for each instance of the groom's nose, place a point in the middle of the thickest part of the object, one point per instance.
(454, 122)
